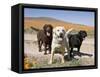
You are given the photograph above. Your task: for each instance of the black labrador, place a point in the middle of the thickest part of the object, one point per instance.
(75, 41)
(45, 38)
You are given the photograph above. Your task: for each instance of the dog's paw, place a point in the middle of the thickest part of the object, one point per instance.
(62, 61)
(77, 57)
(49, 52)
(40, 50)
(49, 62)
(45, 53)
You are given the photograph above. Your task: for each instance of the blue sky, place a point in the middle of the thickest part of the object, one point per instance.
(79, 17)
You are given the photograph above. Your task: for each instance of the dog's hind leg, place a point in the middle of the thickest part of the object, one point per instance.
(45, 49)
(79, 51)
(62, 58)
(39, 45)
(71, 51)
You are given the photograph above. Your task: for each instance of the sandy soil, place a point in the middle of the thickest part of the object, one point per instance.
(31, 49)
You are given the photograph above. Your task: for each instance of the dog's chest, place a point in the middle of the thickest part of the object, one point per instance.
(58, 48)
(58, 45)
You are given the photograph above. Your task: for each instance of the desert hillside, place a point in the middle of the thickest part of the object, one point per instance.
(38, 23)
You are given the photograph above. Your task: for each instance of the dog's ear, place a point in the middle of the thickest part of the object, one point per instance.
(44, 27)
(51, 27)
(80, 32)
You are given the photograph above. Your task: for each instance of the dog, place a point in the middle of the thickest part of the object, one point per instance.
(44, 37)
(58, 42)
(75, 41)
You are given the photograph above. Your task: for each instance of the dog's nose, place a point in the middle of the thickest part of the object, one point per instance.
(61, 34)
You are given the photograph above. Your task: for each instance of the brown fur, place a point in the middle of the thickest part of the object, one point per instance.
(43, 38)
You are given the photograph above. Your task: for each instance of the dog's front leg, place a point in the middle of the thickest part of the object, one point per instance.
(50, 49)
(62, 57)
(45, 49)
(51, 56)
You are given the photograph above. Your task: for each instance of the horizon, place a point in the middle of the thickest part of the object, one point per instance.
(76, 17)
(60, 20)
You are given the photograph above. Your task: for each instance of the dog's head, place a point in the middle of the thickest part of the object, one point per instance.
(82, 34)
(59, 32)
(48, 29)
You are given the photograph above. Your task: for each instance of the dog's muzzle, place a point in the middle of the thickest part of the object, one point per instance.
(61, 35)
(48, 34)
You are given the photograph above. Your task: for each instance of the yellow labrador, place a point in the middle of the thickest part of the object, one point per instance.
(59, 42)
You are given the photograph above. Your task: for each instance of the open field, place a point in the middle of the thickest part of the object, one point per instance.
(37, 59)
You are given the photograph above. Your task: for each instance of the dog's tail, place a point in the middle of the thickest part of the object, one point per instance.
(66, 39)
(69, 31)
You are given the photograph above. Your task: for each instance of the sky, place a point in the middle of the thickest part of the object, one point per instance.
(78, 17)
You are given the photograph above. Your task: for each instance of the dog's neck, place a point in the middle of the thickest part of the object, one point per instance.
(80, 38)
(58, 40)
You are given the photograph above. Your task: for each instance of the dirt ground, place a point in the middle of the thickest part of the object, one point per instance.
(31, 50)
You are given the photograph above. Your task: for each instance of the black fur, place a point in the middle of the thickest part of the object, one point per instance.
(75, 40)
